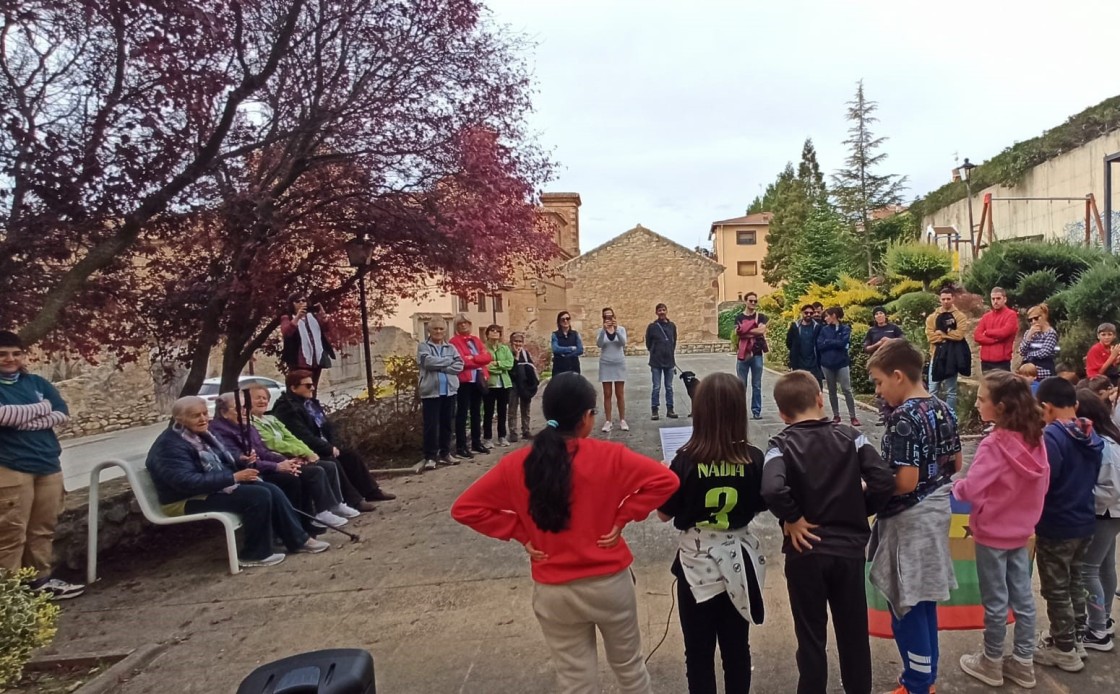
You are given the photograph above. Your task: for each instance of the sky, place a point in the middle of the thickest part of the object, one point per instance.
(675, 114)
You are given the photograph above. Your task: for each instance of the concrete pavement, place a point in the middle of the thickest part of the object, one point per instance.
(441, 608)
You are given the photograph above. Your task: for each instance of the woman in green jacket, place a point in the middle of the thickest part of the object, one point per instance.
(499, 387)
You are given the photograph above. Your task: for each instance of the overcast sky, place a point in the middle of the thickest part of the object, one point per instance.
(675, 114)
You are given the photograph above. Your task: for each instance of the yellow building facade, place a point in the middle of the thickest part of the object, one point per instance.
(740, 245)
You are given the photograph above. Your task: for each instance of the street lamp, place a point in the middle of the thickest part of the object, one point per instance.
(359, 251)
(966, 175)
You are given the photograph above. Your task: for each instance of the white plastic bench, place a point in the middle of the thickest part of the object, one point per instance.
(145, 491)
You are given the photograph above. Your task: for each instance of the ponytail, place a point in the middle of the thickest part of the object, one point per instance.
(548, 467)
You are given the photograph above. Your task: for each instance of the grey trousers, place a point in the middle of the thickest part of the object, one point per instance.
(1005, 581)
(524, 405)
(1098, 573)
(844, 377)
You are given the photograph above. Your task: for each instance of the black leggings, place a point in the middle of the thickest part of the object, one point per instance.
(499, 397)
(703, 625)
(470, 405)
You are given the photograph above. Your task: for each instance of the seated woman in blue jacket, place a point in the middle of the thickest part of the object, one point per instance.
(834, 344)
(193, 473)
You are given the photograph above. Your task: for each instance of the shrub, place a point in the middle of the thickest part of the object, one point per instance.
(771, 304)
(912, 309)
(1095, 297)
(1007, 262)
(778, 356)
(1036, 287)
(27, 622)
(388, 426)
(921, 262)
(858, 315)
(903, 286)
(727, 321)
(972, 305)
(1074, 341)
(861, 381)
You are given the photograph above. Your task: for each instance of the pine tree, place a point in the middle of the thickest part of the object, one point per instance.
(809, 173)
(790, 208)
(857, 189)
(818, 253)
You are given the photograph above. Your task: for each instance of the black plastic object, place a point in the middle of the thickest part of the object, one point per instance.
(334, 671)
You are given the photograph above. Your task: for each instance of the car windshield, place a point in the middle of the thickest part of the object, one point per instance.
(208, 389)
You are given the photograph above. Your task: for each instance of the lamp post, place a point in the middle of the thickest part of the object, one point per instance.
(359, 251)
(966, 174)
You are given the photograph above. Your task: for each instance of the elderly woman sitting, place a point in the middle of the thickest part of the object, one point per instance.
(306, 487)
(193, 473)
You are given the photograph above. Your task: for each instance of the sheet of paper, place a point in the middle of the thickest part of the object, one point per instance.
(673, 438)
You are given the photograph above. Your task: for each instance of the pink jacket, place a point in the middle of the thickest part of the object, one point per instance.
(1006, 485)
(472, 362)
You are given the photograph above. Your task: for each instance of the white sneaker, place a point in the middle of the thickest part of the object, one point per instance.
(487, 443)
(58, 589)
(607, 427)
(503, 442)
(429, 465)
(272, 560)
(623, 425)
(313, 546)
(326, 518)
(345, 511)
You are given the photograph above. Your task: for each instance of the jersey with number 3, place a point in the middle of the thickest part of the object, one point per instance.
(716, 496)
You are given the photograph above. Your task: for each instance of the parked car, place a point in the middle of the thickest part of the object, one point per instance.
(209, 390)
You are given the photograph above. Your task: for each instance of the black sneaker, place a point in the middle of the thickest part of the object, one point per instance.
(1094, 641)
(464, 453)
(480, 448)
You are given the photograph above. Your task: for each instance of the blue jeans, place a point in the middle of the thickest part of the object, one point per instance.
(752, 369)
(949, 385)
(660, 374)
(1098, 572)
(1005, 581)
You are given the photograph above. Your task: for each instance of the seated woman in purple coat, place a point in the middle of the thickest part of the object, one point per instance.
(307, 487)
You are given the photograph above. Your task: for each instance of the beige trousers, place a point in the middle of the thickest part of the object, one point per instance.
(569, 614)
(29, 508)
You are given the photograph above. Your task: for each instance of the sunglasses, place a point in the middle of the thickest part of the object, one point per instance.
(306, 385)
(565, 319)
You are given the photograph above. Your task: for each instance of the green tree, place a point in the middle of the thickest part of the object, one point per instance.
(858, 188)
(818, 252)
(786, 199)
(809, 173)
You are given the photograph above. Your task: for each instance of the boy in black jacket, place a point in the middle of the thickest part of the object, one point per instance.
(525, 382)
(822, 481)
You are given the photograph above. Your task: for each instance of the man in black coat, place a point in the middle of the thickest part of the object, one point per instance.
(305, 418)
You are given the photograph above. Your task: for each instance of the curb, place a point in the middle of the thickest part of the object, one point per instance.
(126, 664)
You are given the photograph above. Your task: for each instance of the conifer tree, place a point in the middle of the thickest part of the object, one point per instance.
(858, 188)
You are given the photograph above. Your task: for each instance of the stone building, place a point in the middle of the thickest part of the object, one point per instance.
(634, 272)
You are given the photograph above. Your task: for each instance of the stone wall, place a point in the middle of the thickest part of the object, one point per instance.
(106, 397)
(634, 272)
(635, 350)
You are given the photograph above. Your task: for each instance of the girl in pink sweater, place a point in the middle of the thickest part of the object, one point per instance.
(1006, 484)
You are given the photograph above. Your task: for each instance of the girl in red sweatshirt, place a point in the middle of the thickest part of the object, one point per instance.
(566, 500)
(1006, 485)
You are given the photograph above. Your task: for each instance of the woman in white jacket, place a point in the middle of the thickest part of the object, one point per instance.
(1098, 571)
(612, 368)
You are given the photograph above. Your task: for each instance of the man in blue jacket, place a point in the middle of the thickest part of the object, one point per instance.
(31, 490)
(1068, 520)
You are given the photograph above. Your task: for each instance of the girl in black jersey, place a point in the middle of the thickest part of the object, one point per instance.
(719, 564)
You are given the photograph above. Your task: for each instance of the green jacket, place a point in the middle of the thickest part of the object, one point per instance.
(501, 366)
(277, 438)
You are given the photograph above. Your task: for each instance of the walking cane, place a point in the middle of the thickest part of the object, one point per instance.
(247, 447)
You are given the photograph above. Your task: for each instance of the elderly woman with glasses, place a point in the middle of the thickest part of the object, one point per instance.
(567, 346)
(1040, 343)
(193, 473)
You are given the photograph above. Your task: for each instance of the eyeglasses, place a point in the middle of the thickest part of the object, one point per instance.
(1034, 318)
(751, 301)
(306, 385)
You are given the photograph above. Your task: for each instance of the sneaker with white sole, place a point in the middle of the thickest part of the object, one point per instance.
(326, 518)
(1047, 653)
(1110, 626)
(983, 668)
(313, 546)
(345, 511)
(487, 443)
(1019, 672)
(58, 589)
(1096, 641)
(429, 465)
(623, 425)
(503, 442)
(271, 560)
(607, 427)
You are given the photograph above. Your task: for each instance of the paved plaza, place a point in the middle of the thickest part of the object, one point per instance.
(442, 609)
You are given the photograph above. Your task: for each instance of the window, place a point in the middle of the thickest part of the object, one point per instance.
(481, 302)
(748, 268)
(463, 305)
(497, 298)
(748, 237)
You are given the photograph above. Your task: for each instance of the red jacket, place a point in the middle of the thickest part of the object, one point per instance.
(472, 362)
(995, 333)
(1095, 359)
(611, 485)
